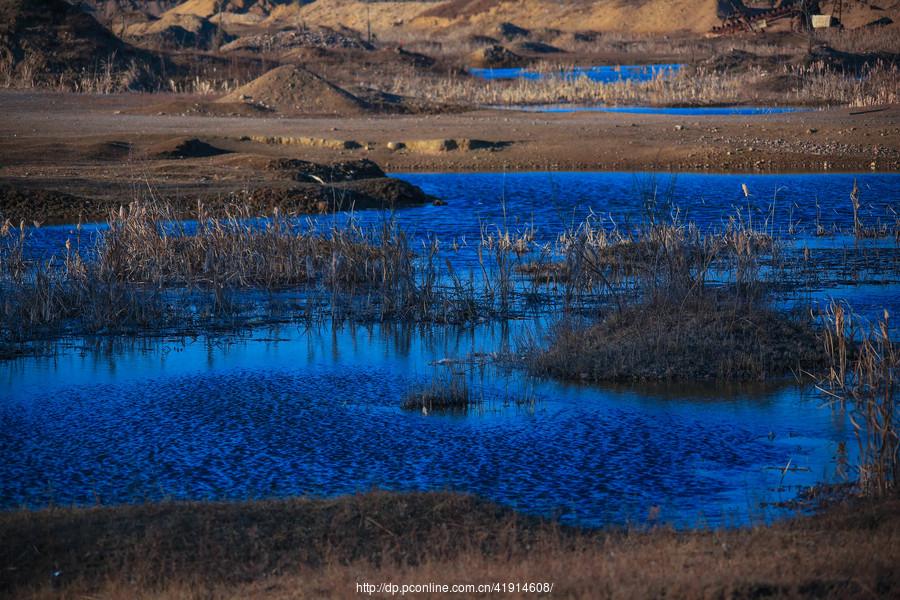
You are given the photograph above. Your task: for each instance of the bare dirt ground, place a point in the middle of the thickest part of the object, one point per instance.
(106, 146)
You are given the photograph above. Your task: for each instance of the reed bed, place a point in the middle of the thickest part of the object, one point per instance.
(861, 381)
(149, 270)
(148, 273)
(815, 84)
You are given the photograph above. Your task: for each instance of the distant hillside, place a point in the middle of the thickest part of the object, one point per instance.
(388, 18)
(484, 16)
(53, 40)
(208, 8)
(106, 10)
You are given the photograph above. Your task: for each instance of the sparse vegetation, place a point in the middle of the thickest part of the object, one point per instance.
(791, 84)
(314, 548)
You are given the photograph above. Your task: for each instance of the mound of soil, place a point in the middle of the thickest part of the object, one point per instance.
(362, 194)
(208, 8)
(483, 40)
(438, 146)
(536, 48)
(178, 31)
(183, 148)
(509, 31)
(413, 58)
(31, 205)
(106, 151)
(848, 62)
(41, 40)
(285, 41)
(291, 89)
(495, 57)
(310, 172)
(739, 61)
(585, 36)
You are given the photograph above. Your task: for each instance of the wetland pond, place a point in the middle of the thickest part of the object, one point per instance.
(315, 410)
(600, 73)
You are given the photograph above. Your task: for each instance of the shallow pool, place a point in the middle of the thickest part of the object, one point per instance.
(600, 73)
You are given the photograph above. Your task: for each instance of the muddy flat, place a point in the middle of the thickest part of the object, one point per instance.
(53, 171)
(43, 137)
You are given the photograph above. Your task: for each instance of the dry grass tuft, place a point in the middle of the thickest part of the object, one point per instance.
(449, 392)
(713, 337)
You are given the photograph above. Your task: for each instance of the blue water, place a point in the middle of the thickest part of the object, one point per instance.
(296, 411)
(553, 201)
(695, 111)
(601, 74)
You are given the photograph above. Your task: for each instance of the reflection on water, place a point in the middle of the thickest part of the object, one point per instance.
(294, 411)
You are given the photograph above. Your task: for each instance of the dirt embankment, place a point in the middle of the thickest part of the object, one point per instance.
(183, 171)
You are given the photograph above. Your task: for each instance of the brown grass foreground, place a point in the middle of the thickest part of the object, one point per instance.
(303, 548)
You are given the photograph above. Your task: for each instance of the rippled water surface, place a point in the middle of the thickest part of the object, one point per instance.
(317, 411)
(553, 201)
